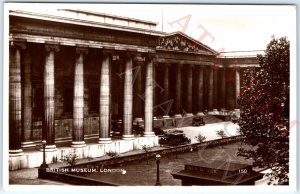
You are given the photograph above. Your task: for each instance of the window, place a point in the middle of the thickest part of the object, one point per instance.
(68, 100)
(94, 100)
(38, 103)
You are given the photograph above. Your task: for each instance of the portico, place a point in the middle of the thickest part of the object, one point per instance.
(69, 83)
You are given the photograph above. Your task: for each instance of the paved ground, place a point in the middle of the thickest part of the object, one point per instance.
(141, 173)
(168, 165)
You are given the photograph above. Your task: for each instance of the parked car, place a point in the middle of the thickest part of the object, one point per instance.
(198, 121)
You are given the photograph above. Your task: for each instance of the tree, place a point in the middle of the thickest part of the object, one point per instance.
(264, 102)
(146, 149)
(200, 138)
(222, 134)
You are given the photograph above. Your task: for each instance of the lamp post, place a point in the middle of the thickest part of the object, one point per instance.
(157, 156)
(44, 165)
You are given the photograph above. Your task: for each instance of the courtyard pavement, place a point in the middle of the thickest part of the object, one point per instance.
(143, 174)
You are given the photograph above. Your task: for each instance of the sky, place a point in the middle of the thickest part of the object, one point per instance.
(221, 27)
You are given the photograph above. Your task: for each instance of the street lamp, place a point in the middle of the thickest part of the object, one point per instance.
(44, 164)
(157, 157)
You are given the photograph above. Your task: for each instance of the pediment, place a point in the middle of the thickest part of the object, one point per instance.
(181, 42)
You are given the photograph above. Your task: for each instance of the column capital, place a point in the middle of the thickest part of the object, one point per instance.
(139, 63)
(200, 67)
(237, 68)
(20, 44)
(191, 66)
(209, 67)
(179, 65)
(52, 47)
(129, 54)
(107, 51)
(149, 56)
(166, 65)
(81, 49)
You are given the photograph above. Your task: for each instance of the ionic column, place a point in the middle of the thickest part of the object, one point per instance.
(215, 90)
(210, 88)
(237, 86)
(128, 97)
(200, 91)
(223, 89)
(15, 103)
(120, 90)
(49, 106)
(27, 105)
(149, 98)
(166, 87)
(178, 91)
(155, 89)
(78, 101)
(138, 101)
(104, 121)
(189, 90)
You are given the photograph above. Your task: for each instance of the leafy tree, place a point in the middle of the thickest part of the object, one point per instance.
(222, 134)
(200, 138)
(146, 149)
(264, 102)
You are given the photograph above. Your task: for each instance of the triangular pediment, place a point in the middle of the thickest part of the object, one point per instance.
(179, 41)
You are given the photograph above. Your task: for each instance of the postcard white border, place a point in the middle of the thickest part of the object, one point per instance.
(174, 189)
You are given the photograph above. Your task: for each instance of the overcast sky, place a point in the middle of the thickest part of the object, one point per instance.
(222, 27)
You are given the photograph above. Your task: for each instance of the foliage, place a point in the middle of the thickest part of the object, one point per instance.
(264, 102)
(146, 148)
(200, 138)
(234, 118)
(221, 133)
(71, 158)
(112, 154)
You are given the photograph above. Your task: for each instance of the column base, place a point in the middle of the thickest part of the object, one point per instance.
(189, 114)
(166, 116)
(222, 111)
(27, 144)
(128, 137)
(178, 116)
(15, 153)
(149, 134)
(104, 140)
(238, 112)
(78, 144)
(50, 148)
(200, 114)
(215, 111)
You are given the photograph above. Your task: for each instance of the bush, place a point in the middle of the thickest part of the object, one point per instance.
(221, 133)
(112, 154)
(71, 158)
